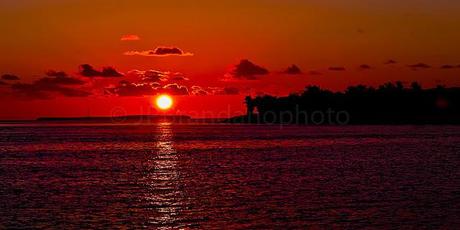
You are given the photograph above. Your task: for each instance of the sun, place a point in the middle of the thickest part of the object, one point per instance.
(164, 102)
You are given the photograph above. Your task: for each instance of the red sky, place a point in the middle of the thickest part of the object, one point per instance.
(196, 49)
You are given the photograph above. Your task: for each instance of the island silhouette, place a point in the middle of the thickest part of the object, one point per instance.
(390, 103)
(119, 119)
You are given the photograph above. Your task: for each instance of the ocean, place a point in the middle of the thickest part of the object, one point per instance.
(228, 176)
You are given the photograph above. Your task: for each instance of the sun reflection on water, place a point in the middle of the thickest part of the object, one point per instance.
(164, 197)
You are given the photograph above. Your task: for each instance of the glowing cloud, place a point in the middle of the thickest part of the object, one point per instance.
(130, 37)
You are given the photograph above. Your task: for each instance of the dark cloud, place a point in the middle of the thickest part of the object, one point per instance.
(200, 91)
(156, 76)
(447, 67)
(314, 72)
(160, 52)
(246, 70)
(53, 73)
(88, 71)
(419, 66)
(30, 91)
(175, 89)
(47, 87)
(39, 91)
(71, 92)
(337, 68)
(223, 91)
(54, 81)
(168, 51)
(390, 62)
(143, 88)
(126, 88)
(10, 77)
(3, 83)
(110, 72)
(231, 91)
(293, 70)
(179, 77)
(149, 75)
(365, 67)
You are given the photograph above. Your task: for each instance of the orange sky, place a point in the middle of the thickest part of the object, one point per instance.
(38, 36)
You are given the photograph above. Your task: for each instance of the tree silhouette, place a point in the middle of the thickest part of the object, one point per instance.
(390, 103)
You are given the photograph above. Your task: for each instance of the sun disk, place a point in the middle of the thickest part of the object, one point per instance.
(164, 102)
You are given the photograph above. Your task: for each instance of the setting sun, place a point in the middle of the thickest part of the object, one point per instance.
(164, 102)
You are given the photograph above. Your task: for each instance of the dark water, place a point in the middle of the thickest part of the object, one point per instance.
(230, 176)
